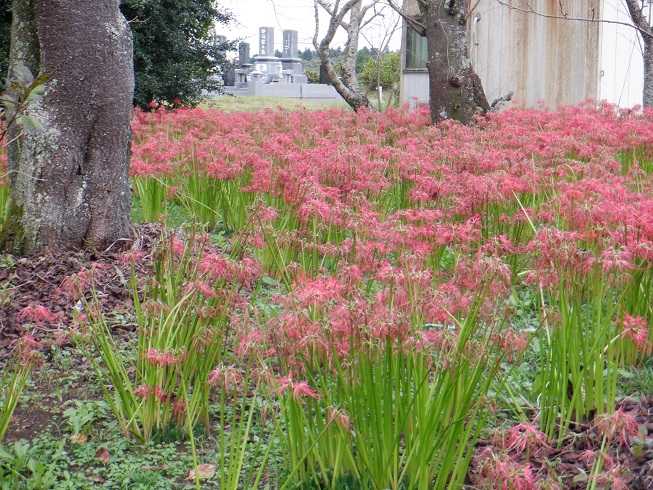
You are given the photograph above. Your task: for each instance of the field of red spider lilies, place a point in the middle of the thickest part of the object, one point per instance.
(366, 301)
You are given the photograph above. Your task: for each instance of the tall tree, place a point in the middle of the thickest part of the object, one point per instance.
(455, 90)
(636, 9)
(352, 16)
(69, 145)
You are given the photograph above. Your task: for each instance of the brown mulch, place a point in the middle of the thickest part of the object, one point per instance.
(568, 467)
(30, 281)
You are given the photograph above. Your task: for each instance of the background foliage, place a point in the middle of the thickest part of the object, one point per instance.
(176, 55)
(384, 71)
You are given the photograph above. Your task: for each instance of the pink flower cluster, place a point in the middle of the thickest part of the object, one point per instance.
(161, 358)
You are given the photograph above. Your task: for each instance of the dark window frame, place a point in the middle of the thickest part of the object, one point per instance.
(416, 55)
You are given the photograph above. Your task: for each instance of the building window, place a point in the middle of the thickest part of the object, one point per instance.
(416, 50)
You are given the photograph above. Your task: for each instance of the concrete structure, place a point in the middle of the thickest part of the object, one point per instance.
(540, 59)
(266, 41)
(243, 55)
(289, 90)
(267, 75)
(292, 65)
(290, 44)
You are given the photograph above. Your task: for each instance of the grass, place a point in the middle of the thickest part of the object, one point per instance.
(230, 103)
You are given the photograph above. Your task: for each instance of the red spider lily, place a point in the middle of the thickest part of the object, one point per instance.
(339, 417)
(636, 329)
(512, 343)
(27, 351)
(132, 257)
(621, 426)
(201, 288)
(145, 391)
(228, 378)
(299, 389)
(615, 478)
(179, 408)
(76, 285)
(38, 314)
(501, 472)
(158, 358)
(526, 437)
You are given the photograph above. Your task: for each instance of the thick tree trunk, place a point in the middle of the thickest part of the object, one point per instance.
(648, 73)
(69, 151)
(456, 91)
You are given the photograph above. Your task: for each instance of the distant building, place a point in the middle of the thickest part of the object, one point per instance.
(268, 75)
(540, 59)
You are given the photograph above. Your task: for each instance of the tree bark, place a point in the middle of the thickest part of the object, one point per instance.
(455, 90)
(647, 98)
(351, 48)
(69, 147)
(346, 86)
(640, 21)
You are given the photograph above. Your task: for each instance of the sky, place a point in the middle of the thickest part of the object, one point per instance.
(292, 14)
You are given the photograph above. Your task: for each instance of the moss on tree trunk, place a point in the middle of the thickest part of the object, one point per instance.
(69, 150)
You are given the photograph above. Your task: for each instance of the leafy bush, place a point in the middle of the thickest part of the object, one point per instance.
(176, 56)
(384, 71)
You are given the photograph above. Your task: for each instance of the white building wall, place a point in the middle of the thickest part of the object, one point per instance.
(414, 89)
(543, 60)
(621, 67)
(539, 59)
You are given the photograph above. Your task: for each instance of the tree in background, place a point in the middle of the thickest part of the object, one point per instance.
(384, 71)
(455, 89)
(312, 76)
(363, 56)
(352, 16)
(176, 56)
(638, 11)
(68, 110)
(307, 54)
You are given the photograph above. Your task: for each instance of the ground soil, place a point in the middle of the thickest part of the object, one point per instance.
(38, 281)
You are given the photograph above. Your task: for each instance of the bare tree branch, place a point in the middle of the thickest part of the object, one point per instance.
(411, 20)
(330, 10)
(636, 11)
(347, 85)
